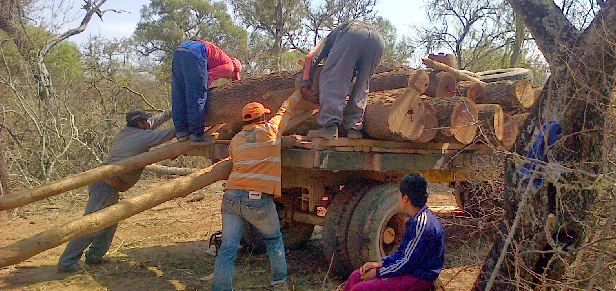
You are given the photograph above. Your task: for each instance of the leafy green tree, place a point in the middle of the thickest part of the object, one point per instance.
(329, 14)
(396, 51)
(166, 23)
(279, 20)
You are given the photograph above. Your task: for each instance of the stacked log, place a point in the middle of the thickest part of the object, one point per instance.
(492, 120)
(513, 95)
(442, 84)
(457, 118)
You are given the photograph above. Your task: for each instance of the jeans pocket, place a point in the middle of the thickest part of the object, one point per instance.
(228, 205)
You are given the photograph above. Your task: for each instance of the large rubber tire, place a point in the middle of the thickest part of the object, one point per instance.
(336, 225)
(377, 226)
(506, 74)
(294, 235)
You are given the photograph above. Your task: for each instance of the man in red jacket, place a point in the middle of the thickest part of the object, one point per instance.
(196, 63)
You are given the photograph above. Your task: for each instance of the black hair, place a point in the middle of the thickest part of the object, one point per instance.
(415, 187)
(261, 118)
(134, 123)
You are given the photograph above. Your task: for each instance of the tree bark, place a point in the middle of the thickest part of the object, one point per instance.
(28, 247)
(514, 96)
(575, 96)
(82, 179)
(4, 182)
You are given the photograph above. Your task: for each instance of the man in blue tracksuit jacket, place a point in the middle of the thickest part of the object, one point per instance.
(419, 258)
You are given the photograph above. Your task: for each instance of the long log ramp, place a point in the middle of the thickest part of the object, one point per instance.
(22, 198)
(28, 247)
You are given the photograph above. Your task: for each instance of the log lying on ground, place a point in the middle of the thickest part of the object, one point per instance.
(106, 171)
(514, 96)
(442, 84)
(457, 116)
(492, 120)
(394, 115)
(26, 248)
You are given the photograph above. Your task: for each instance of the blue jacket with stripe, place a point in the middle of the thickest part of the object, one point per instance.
(421, 252)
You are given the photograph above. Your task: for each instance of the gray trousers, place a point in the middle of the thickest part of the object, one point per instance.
(101, 196)
(358, 48)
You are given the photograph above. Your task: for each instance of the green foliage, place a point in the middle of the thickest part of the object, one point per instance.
(166, 23)
(396, 51)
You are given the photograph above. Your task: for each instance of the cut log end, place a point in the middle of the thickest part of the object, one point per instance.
(406, 116)
(420, 80)
(447, 86)
(477, 93)
(525, 93)
(510, 133)
(430, 126)
(464, 121)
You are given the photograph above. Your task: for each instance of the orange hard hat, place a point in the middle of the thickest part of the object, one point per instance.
(253, 110)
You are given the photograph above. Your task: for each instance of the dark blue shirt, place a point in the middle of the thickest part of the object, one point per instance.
(421, 252)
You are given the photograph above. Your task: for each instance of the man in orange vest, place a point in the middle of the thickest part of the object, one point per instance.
(253, 183)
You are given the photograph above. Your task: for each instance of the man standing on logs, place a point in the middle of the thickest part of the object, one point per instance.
(135, 138)
(196, 63)
(253, 183)
(352, 49)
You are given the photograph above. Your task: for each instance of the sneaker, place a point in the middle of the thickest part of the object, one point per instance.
(181, 135)
(199, 139)
(95, 261)
(354, 134)
(71, 268)
(280, 287)
(327, 132)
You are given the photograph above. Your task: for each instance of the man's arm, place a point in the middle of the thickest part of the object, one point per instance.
(152, 138)
(285, 112)
(159, 119)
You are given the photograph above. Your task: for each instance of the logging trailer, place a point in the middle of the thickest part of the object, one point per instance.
(361, 179)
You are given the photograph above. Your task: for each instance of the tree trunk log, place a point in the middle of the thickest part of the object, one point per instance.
(458, 116)
(458, 74)
(514, 96)
(473, 91)
(405, 78)
(430, 125)
(26, 248)
(106, 171)
(492, 121)
(169, 171)
(511, 130)
(442, 84)
(394, 115)
(4, 182)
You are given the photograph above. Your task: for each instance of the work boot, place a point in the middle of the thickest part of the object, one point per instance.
(354, 134)
(327, 132)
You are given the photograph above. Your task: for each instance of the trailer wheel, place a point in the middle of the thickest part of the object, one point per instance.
(336, 225)
(294, 235)
(377, 225)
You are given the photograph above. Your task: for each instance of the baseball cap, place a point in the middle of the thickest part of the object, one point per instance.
(237, 68)
(136, 115)
(253, 110)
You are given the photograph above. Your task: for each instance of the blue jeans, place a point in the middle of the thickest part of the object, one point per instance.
(189, 88)
(236, 209)
(101, 195)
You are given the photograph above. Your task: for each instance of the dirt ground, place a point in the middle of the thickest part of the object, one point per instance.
(164, 248)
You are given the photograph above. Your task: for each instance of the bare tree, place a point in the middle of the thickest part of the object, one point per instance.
(545, 225)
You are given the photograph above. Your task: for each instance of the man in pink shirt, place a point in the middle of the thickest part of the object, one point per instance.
(196, 63)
